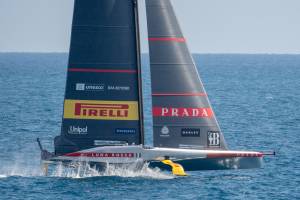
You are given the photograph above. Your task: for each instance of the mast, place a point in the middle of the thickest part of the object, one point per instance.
(182, 114)
(139, 65)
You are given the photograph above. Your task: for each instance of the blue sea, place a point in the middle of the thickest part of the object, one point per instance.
(256, 99)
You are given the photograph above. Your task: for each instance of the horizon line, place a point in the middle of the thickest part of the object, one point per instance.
(207, 53)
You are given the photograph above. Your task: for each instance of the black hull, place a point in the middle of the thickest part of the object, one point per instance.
(214, 163)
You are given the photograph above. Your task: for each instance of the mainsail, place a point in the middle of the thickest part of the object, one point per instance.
(182, 115)
(102, 99)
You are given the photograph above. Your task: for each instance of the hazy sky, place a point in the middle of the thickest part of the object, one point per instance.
(210, 26)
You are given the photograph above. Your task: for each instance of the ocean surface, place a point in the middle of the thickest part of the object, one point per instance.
(256, 99)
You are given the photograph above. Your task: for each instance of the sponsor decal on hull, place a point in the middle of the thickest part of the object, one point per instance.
(182, 112)
(101, 155)
(101, 110)
(234, 155)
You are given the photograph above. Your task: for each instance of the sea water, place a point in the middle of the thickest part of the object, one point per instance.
(256, 99)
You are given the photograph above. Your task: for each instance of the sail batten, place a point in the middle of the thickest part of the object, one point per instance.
(182, 114)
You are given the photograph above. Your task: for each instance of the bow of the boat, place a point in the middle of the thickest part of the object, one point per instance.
(219, 160)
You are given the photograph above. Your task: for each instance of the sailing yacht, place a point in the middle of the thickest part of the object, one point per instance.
(103, 107)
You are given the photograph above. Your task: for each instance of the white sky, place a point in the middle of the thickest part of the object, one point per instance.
(210, 26)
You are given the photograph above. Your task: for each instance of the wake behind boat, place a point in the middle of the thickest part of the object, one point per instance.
(103, 106)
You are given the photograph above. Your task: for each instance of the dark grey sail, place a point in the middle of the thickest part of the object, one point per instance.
(182, 115)
(102, 99)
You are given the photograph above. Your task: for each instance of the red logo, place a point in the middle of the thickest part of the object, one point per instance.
(101, 155)
(182, 112)
(102, 110)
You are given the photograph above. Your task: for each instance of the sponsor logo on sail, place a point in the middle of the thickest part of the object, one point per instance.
(190, 132)
(76, 130)
(105, 110)
(164, 132)
(182, 112)
(80, 86)
(101, 110)
(118, 88)
(125, 131)
(89, 87)
(213, 138)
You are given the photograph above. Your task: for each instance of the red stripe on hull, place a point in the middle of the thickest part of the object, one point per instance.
(102, 70)
(170, 39)
(179, 94)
